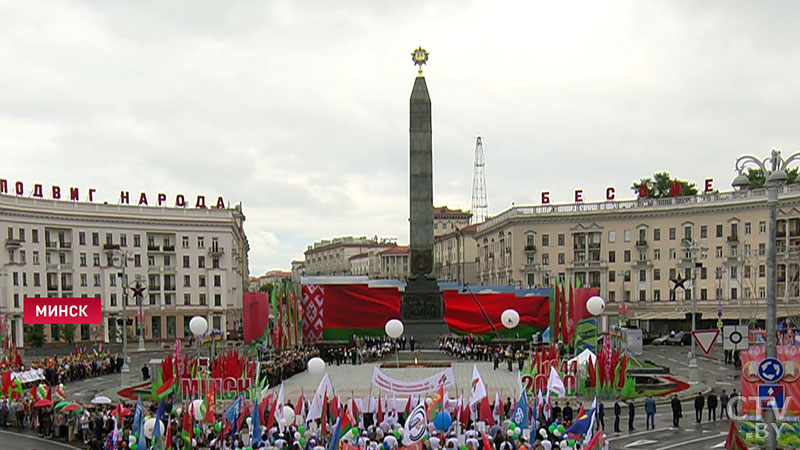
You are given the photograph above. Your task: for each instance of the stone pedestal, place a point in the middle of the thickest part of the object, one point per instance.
(422, 312)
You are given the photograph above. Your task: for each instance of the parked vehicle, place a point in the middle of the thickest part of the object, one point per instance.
(661, 340)
(680, 338)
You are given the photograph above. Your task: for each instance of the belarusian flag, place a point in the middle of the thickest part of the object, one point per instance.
(436, 405)
(186, 432)
(734, 440)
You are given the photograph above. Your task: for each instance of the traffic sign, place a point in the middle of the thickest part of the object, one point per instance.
(735, 337)
(705, 339)
(770, 370)
(769, 393)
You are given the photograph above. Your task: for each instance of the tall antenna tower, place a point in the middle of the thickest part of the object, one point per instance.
(480, 204)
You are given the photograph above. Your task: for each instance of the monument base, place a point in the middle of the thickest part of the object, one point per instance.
(422, 312)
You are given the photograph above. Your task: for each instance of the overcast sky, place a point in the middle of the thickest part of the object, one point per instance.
(300, 109)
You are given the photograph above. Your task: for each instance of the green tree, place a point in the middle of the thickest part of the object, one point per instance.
(660, 186)
(67, 331)
(758, 179)
(266, 288)
(34, 335)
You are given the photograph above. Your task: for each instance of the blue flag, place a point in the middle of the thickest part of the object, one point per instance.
(520, 417)
(581, 425)
(337, 434)
(256, 427)
(233, 413)
(159, 416)
(138, 416)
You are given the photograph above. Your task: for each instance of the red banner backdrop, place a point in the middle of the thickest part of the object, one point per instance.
(255, 314)
(789, 386)
(336, 311)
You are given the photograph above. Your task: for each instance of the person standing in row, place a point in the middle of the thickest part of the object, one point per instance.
(650, 413)
(723, 405)
(631, 414)
(699, 402)
(712, 406)
(677, 411)
(617, 412)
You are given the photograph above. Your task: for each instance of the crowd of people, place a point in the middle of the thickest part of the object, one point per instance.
(74, 367)
(283, 364)
(473, 348)
(364, 349)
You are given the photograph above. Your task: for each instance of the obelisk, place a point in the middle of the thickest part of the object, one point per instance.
(422, 306)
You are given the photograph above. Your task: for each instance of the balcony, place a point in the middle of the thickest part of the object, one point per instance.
(153, 248)
(169, 248)
(58, 267)
(530, 248)
(216, 251)
(734, 238)
(594, 245)
(66, 287)
(169, 287)
(52, 287)
(50, 244)
(110, 247)
(13, 243)
(65, 245)
(641, 243)
(160, 269)
(586, 264)
(154, 287)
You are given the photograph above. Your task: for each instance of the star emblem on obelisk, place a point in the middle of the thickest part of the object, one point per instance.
(138, 290)
(420, 57)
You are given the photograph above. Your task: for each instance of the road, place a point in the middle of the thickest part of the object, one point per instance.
(711, 369)
(27, 442)
(85, 390)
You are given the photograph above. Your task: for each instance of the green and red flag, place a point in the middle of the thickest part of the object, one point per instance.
(186, 432)
(436, 405)
(734, 440)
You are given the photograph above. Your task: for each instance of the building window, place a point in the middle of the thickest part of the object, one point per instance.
(96, 279)
(545, 259)
(185, 241)
(762, 271)
(734, 293)
(657, 234)
(612, 276)
(95, 239)
(155, 326)
(704, 294)
(137, 260)
(672, 233)
(719, 251)
(15, 277)
(82, 238)
(203, 299)
(626, 257)
(215, 262)
(612, 296)
(762, 227)
(747, 250)
(657, 295)
(35, 236)
(626, 235)
(530, 241)
(656, 274)
(703, 273)
(186, 264)
(762, 249)
(84, 280)
(217, 321)
(612, 236)
(200, 242)
(747, 228)
(747, 272)
(561, 239)
(687, 232)
(561, 258)
(626, 276)
(656, 254)
(112, 279)
(612, 256)
(642, 295)
(217, 299)
(202, 280)
(201, 261)
(703, 231)
(187, 299)
(151, 260)
(545, 240)
(170, 326)
(187, 281)
(113, 299)
(35, 257)
(719, 231)
(153, 299)
(96, 259)
(36, 280)
(217, 281)
(642, 255)
(137, 240)
(733, 273)
(109, 239)
(123, 240)
(642, 275)
(168, 299)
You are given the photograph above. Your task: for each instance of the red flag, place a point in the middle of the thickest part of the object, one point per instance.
(596, 442)
(168, 436)
(380, 409)
(271, 416)
(554, 329)
(335, 406)
(592, 375)
(324, 422)
(572, 321)
(464, 417)
(299, 405)
(734, 440)
(581, 412)
(211, 398)
(623, 366)
(563, 324)
(486, 411)
(263, 406)
(408, 404)
(187, 432)
(486, 445)
(354, 408)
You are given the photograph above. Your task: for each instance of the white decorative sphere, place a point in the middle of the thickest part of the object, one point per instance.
(316, 365)
(198, 325)
(149, 426)
(288, 415)
(510, 318)
(284, 422)
(595, 305)
(394, 328)
(297, 436)
(249, 421)
(131, 439)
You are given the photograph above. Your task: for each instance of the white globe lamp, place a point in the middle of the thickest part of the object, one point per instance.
(198, 325)
(394, 328)
(595, 305)
(316, 366)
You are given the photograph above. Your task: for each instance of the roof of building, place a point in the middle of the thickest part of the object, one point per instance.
(398, 250)
(439, 211)
(471, 229)
(359, 256)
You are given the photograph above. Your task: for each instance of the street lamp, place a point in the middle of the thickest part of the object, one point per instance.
(774, 168)
(124, 256)
(691, 246)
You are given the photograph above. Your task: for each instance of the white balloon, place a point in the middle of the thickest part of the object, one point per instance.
(194, 443)
(394, 328)
(249, 421)
(288, 414)
(510, 318)
(297, 436)
(428, 400)
(149, 426)
(316, 366)
(284, 422)
(517, 431)
(595, 305)
(199, 408)
(510, 432)
(131, 439)
(198, 325)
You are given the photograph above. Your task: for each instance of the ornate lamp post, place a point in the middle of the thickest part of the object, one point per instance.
(774, 168)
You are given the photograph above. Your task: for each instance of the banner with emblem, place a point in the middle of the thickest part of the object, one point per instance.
(384, 382)
(767, 380)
